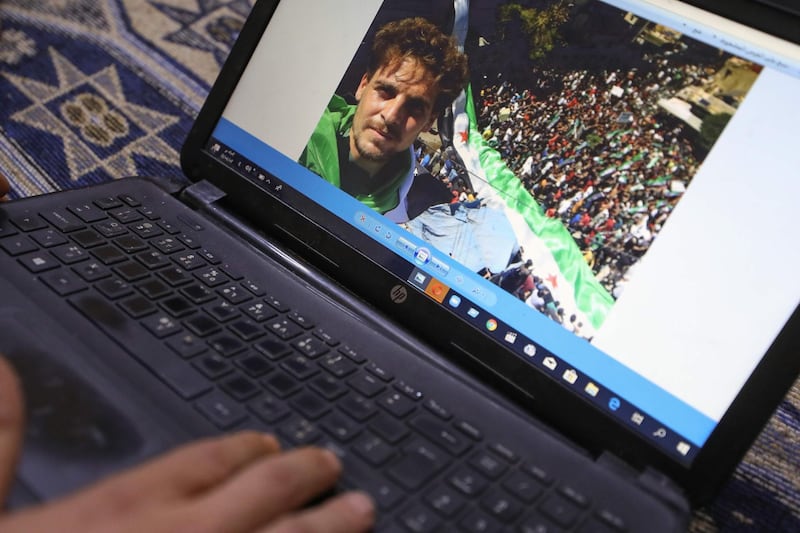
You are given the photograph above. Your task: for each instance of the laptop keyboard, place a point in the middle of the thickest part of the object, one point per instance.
(244, 358)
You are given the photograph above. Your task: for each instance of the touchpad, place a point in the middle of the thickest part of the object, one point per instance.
(66, 416)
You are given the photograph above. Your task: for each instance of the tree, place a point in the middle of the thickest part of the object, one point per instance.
(711, 129)
(541, 27)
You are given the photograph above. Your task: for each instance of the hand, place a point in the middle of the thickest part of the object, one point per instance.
(4, 187)
(235, 483)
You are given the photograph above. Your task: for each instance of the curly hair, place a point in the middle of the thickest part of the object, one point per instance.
(421, 40)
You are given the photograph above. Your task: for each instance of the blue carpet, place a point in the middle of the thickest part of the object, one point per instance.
(94, 90)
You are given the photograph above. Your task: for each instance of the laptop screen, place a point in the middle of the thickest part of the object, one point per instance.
(610, 198)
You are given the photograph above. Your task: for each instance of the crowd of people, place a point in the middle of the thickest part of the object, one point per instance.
(596, 151)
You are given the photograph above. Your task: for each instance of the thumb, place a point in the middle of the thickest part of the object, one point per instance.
(11, 426)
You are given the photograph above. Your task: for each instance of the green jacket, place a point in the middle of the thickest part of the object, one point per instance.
(321, 156)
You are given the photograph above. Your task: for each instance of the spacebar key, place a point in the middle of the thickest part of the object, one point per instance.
(180, 377)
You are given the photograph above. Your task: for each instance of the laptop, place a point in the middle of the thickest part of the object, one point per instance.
(583, 320)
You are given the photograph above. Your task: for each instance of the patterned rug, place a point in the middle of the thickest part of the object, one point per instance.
(93, 90)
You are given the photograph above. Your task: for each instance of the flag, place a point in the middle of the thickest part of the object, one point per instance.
(546, 241)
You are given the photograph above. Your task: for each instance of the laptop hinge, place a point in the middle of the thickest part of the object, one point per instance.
(202, 194)
(651, 480)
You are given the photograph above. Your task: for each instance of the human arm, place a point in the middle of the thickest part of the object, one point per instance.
(236, 483)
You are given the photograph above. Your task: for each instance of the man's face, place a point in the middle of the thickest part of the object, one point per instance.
(394, 106)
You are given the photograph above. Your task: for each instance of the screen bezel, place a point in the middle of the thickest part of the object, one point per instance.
(310, 232)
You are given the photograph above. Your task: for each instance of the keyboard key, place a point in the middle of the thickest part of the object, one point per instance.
(137, 306)
(47, 238)
(161, 325)
(114, 288)
(276, 304)
(373, 449)
(396, 403)
(28, 222)
(126, 215)
(310, 405)
(310, 346)
(197, 293)
(388, 429)
(467, 481)
(440, 434)
(38, 262)
(300, 432)
(445, 501)
(419, 464)
(478, 522)
(301, 320)
(213, 366)
(91, 271)
(108, 254)
(223, 311)
(178, 306)
(281, 384)
(130, 244)
(259, 311)
(385, 493)
(130, 200)
(152, 259)
(63, 282)
(488, 464)
(189, 261)
(418, 519)
(268, 409)
(338, 365)
(284, 329)
(436, 408)
(379, 372)
(469, 430)
(69, 253)
(167, 245)
(63, 220)
(300, 367)
(88, 238)
(561, 510)
(221, 411)
(340, 427)
(202, 325)
(247, 330)
(130, 271)
(227, 345)
(17, 245)
(357, 407)
(107, 203)
(234, 294)
(523, 486)
(329, 387)
(273, 349)
(240, 387)
(253, 365)
(87, 212)
(110, 228)
(367, 384)
(146, 229)
(501, 506)
(211, 276)
(187, 345)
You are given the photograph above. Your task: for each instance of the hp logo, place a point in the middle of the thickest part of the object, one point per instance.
(398, 294)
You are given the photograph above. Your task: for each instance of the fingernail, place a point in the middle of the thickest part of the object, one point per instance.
(332, 459)
(360, 503)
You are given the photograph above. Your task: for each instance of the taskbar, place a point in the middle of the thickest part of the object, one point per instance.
(469, 300)
(557, 369)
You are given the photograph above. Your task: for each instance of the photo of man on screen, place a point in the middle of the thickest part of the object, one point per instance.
(366, 149)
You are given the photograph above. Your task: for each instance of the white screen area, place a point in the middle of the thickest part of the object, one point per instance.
(714, 289)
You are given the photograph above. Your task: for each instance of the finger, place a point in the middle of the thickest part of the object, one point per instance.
(271, 488)
(184, 472)
(349, 513)
(4, 186)
(11, 426)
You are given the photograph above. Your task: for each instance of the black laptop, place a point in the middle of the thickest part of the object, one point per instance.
(584, 320)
